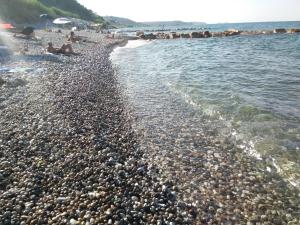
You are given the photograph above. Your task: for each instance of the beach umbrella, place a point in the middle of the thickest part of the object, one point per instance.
(6, 26)
(45, 17)
(62, 21)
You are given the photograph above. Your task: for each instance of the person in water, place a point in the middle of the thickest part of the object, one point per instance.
(64, 49)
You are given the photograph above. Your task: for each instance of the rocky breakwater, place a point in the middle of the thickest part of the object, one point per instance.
(68, 154)
(208, 34)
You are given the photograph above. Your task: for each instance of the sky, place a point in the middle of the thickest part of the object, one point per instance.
(209, 11)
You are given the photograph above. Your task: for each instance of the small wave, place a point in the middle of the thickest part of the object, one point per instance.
(131, 44)
(246, 144)
(136, 43)
(283, 169)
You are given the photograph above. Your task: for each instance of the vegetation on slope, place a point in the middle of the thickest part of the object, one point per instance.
(121, 22)
(28, 11)
(72, 6)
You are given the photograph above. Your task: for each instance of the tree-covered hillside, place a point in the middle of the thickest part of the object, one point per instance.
(122, 22)
(28, 11)
(73, 7)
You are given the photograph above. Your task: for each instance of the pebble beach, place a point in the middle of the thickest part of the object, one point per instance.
(69, 154)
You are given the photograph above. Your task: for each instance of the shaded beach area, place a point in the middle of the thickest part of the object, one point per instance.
(69, 154)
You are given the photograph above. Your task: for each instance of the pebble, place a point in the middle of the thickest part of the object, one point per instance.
(73, 222)
(69, 155)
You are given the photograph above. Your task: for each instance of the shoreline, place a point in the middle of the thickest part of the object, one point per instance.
(69, 154)
(226, 168)
(272, 164)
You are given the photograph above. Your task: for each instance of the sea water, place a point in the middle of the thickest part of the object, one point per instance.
(242, 88)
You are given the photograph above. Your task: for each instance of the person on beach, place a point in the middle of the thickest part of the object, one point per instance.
(64, 49)
(73, 38)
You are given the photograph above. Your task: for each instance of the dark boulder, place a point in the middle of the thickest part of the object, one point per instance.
(150, 36)
(207, 34)
(183, 35)
(279, 31)
(196, 35)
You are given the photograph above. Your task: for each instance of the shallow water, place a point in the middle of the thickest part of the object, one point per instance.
(246, 89)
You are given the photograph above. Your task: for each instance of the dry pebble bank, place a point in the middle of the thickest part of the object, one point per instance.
(68, 153)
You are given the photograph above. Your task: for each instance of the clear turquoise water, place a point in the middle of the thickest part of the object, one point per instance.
(243, 88)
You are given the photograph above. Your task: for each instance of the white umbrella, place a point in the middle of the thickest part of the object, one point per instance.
(62, 20)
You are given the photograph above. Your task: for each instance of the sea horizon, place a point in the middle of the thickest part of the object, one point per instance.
(212, 23)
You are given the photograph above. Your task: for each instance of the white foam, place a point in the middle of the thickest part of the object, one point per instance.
(136, 43)
(131, 44)
(292, 180)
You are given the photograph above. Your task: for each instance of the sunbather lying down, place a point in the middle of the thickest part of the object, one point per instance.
(74, 38)
(64, 49)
